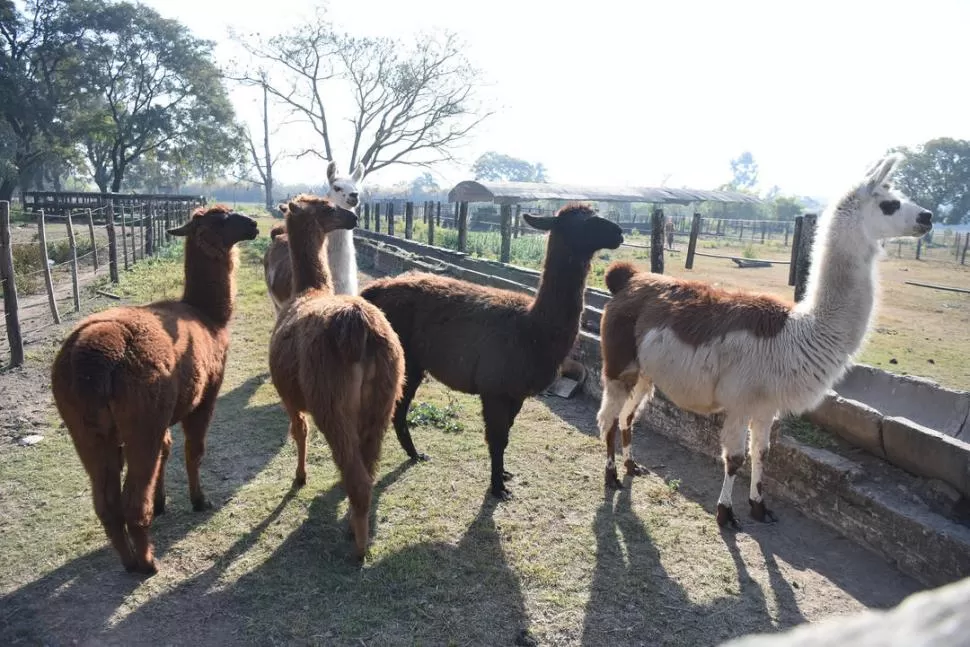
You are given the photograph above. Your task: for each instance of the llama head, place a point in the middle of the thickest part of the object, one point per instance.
(883, 210)
(345, 191)
(579, 228)
(321, 212)
(217, 228)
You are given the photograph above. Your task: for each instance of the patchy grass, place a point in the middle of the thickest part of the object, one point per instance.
(559, 564)
(808, 433)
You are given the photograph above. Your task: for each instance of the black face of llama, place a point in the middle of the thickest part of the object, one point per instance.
(885, 212)
(219, 225)
(331, 216)
(582, 230)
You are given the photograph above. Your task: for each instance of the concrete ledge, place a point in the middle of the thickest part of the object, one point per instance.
(927, 452)
(825, 486)
(854, 421)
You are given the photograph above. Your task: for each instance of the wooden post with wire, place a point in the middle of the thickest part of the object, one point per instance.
(463, 227)
(390, 218)
(505, 252)
(94, 241)
(695, 230)
(72, 242)
(657, 242)
(408, 220)
(112, 242)
(124, 235)
(8, 280)
(45, 265)
(431, 221)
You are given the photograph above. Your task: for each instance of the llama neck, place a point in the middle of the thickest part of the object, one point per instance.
(210, 282)
(342, 261)
(841, 293)
(308, 257)
(559, 300)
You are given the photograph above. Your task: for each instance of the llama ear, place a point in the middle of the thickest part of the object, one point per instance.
(180, 231)
(283, 207)
(539, 222)
(358, 173)
(882, 171)
(331, 171)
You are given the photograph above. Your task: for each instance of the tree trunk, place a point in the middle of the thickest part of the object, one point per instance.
(268, 184)
(6, 190)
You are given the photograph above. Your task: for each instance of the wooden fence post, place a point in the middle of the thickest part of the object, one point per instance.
(695, 230)
(431, 222)
(390, 218)
(966, 243)
(124, 235)
(408, 220)
(112, 242)
(7, 278)
(367, 215)
(166, 224)
(795, 241)
(454, 220)
(517, 223)
(438, 214)
(149, 235)
(657, 241)
(505, 253)
(94, 241)
(787, 232)
(919, 247)
(377, 217)
(804, 261)
(463, 227)
(48, 279)
(764, 228)
(72, 242)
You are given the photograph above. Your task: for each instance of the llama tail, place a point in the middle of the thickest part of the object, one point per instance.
(276, 230)
(618, 275)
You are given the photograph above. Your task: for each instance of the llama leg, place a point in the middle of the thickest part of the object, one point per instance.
(103, 463)
(195, 426)
(760, 442)
(497, 411)
(513, 412)
(160, 485)
(412, 380)
(299, 430)
(642, 390)
(615, 394)
(144, 459)
(732, 452)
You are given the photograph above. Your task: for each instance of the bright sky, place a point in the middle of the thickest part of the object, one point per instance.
(624, 92)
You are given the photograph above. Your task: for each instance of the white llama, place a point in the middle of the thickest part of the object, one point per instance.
(749, 356)
(344, 192)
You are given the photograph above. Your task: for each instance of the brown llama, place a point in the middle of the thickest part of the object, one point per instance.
(125, 375)
(503, 346)
(336, 357)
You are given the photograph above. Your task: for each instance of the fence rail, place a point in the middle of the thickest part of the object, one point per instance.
(45, 275)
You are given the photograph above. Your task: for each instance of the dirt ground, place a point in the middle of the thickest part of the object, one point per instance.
(561, 564)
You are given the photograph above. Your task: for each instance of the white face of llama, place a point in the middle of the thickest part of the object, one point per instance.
(345, 191)
(887, 213)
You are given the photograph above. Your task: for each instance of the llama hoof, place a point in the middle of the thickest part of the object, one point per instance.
(635, 469)
(725, 517)
(201, 504)
(760, 512)
(420, 457)
(507, 475)
(501, 493)
(612, 482)
(299, 481)
(148, 568)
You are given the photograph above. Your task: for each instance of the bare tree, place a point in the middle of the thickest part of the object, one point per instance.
(413, 104)
(263, 161)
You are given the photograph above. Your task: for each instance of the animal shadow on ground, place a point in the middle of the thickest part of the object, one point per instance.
(796, 540)
(310, 590)
(77, 598)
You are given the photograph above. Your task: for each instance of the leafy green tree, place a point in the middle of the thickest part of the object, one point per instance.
(936, 175)
(152, 85)
(497, 167)
(744, 172)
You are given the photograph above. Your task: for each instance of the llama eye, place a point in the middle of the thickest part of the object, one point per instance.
(889, 207)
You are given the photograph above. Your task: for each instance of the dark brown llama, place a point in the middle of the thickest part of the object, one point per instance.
(276, 266)
(501, 345)
(125, 375)
(336, 357)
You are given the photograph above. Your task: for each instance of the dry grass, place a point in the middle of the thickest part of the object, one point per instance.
(448, 566)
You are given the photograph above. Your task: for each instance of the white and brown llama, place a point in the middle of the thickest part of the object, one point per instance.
(750, 356)
(344, 193)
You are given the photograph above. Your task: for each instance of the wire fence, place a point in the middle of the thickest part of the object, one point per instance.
(55, 265)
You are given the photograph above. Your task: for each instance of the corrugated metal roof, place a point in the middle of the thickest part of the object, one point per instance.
(515, 192)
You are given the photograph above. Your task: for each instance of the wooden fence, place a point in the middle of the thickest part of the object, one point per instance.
(47, 274)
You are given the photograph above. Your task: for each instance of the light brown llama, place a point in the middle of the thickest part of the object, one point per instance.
(125, 375)
(336, 357)
(502, 345)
